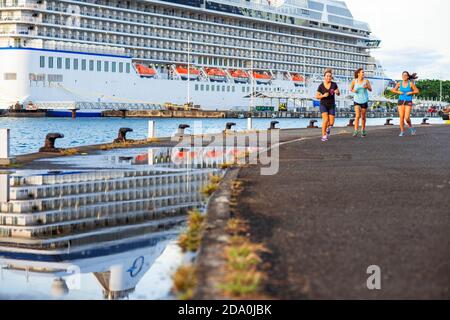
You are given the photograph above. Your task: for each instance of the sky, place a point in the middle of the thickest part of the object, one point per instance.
(415, 35)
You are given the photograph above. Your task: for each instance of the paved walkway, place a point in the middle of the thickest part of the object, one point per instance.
(336, 208)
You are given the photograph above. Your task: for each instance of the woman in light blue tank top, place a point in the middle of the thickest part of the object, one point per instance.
(406, 89)
(360, 87)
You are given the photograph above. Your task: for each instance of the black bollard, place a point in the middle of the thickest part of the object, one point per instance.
(49, 145)
(425, 122)
(181, 129)
(388, 122)
(351, 123)
(229, 125)
(273, 125)
(312, 124)
(122, 135)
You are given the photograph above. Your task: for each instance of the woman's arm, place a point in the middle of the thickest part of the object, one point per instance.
(415, 90)
(320, 96)
(368, 86)
(395, 90)
(352, 87)
(337, 91)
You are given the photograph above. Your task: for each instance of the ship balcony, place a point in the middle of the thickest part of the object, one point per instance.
(49, 191)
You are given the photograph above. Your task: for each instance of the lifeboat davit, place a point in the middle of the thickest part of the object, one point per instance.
(262, 77)
(185, 73)
(298, 80)
(216, 74)
(239, 76)
(145, 72)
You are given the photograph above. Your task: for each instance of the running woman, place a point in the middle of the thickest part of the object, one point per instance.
(406, 89)
(326, 93)
(361, 87)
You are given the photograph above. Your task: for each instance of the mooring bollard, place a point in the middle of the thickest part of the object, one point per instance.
(351, 123)
(229, 126)
(151, 130)
(388, 122)
(273, 125)
(122, 135)
(49, 145)
(5, 157)
(249, 124)
(181, 129)
(312, 124)
(425, 122)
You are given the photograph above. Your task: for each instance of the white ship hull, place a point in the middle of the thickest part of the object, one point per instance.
(28, 83)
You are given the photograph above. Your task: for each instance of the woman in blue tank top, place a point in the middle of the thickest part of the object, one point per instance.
(360, 87)
(406, 89)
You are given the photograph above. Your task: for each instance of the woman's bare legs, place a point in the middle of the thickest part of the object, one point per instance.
(325, 123)
(401, 113)
(357, 117)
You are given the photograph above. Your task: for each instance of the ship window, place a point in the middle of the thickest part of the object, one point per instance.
(128, 68)
(99, 65)
(83, 64)
(243, 89)
(59, 63)
(106, 66)
(233, 88)
(50, 62)
(113, 66)
(228, 88)
(42, 61)
(207, 87)
(212, 88)
(223, 88)
(75, 64)
(196, 87)
(120, 67)
(10, 76)
(202, 87)
(91, 65)
(67, 63)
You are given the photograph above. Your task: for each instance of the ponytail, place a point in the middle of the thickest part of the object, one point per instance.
(411, 77)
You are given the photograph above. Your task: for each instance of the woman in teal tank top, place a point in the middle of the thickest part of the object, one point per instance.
(406, 89)
(360, 87)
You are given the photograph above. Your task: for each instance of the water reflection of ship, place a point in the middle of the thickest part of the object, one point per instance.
(52, 216)
(118, 274)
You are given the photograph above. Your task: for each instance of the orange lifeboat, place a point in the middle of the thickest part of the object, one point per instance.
(216, 74)
(298, 79)
(239, 76)
(144, 71)
(185, 73)
(262, 77)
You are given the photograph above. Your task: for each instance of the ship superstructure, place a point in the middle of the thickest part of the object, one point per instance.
(96, 54)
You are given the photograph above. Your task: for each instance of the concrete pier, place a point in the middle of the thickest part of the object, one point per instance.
(336, 208)
(5, 157)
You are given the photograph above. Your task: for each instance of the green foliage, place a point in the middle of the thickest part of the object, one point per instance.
(429, 89)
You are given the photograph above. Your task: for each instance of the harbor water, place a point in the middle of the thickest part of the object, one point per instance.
(28, 134)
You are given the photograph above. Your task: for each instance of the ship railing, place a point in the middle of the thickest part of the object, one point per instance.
(87, 213)
(55, 241)
(20, 5)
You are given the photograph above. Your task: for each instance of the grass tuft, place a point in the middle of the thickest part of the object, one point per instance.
(189, 241)
(184, 282)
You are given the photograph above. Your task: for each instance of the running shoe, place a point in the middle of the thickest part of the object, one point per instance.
(364, 134)
(355, 133)
(402, 134)
(328, 131)
(412, 131)
(324, 138)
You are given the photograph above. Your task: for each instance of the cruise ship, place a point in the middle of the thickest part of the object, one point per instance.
(216, 54)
